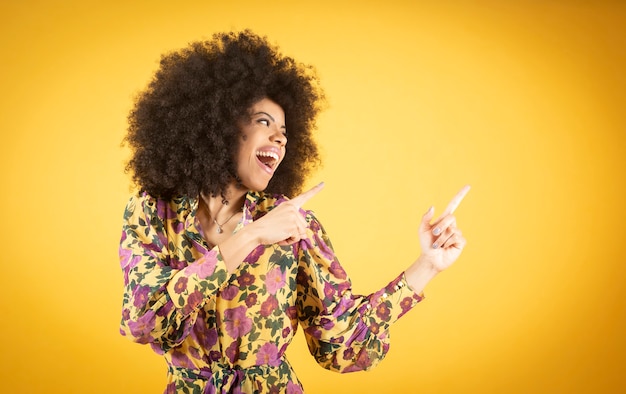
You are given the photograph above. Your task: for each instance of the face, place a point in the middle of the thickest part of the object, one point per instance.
(261, 145)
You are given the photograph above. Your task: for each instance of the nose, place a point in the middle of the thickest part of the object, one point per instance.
(278, 136)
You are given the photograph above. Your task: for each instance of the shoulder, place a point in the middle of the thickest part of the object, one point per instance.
(259, 203)
(142, 204)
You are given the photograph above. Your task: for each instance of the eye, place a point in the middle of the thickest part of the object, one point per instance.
(264, 122)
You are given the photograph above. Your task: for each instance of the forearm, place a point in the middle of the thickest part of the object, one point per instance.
(420, 273)
(235, 249)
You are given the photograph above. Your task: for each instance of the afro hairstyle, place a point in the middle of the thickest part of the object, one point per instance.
(183, 132)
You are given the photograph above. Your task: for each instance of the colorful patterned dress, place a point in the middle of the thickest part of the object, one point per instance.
(227, 333)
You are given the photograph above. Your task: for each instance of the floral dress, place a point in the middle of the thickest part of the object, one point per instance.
(227, 333)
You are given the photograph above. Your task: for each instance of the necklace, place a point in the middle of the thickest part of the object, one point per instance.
(219, 226)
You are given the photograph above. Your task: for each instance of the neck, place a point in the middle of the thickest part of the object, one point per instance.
(220, 207)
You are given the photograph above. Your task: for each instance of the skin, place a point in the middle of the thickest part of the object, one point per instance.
(265, 130)
(440, 240)
(441, 243)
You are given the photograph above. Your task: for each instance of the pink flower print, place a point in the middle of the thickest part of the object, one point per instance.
(142, 327)
(405, 304)
(251, 300)
(177, 264)
(374, 327)
(181, 285)
(326, 323)
(345, 304)
(204, 267)
(170, 388)
(343, 287)
(293, 388)
(314, 332)
(236, 321)
(329, 291)
(128, 261)
(180, 359)
(268, 355)
(253, 257)
(165, 310)
(141, 296)
(363, 360)
(229, 292)
(245, 279)
(274, 280)
(193, 301)
(314, 225)
(337, 270)
(360, 333)
(205, 336)
(162, 240)
(286, 332)
(157, 348)
(194, 353)
(232, 352)
(382, 311)
(214, 355)
(268, 306)
(348, 354)
(305, 244)
(292, 312)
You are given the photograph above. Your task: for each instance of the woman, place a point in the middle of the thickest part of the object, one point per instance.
(219, 265)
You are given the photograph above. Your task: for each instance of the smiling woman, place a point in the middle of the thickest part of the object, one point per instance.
(262, 146)
(220, 266)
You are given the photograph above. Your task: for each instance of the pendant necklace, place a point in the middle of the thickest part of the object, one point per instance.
(219, 226)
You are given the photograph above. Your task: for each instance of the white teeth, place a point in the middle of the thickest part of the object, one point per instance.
(273, 155)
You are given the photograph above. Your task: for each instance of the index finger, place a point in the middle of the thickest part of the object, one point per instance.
(456, 201)
(299, 201)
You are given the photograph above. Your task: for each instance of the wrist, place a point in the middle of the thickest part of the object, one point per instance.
(420, 273)
(238, 246)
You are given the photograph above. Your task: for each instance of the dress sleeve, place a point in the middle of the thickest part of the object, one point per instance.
(165, 282)
(344, 332)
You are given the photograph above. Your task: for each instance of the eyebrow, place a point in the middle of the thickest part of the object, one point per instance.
(269, 116)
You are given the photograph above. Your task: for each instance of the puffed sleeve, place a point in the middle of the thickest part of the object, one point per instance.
(166, 279)
(345, 332)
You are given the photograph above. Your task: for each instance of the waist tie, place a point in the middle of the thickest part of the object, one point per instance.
(225, 378)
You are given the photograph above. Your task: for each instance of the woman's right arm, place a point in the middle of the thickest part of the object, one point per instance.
(165, 283)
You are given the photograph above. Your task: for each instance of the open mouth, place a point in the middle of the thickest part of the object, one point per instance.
(269, 159)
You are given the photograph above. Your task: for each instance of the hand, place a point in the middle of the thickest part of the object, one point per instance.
(285, 224)
(441, 241)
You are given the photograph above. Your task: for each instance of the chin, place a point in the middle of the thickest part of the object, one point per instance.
(255, 187)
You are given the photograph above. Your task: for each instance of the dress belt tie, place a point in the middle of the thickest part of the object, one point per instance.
(222, 377)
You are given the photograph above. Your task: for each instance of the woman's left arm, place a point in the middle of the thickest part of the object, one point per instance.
(345, 332)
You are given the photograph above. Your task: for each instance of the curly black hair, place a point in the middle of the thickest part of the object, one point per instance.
(183, 130)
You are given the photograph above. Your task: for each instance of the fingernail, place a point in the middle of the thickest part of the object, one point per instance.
(437, 231)
(435, 246)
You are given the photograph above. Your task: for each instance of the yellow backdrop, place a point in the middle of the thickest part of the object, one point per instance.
(523, 100)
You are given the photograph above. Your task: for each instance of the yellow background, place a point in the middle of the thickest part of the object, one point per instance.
(522, 100)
